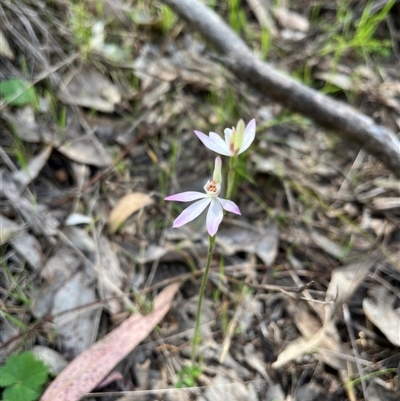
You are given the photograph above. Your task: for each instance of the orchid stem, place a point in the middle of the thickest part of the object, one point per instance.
(197, 336)
(231, 176)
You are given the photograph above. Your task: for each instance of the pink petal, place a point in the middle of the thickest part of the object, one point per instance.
(229, 206)
(214, 217)
(191, 212)
(186, 196)
(248, 136)
(214, 142)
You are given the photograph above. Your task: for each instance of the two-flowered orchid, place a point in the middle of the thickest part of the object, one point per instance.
(237, 140)
(215, 212)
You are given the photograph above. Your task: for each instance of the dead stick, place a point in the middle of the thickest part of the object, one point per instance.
(342, 118)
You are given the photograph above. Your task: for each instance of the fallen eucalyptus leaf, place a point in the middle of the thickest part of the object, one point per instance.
(125, 207)
(86, 371)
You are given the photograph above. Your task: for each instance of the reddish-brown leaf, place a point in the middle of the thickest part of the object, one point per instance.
(86, 371)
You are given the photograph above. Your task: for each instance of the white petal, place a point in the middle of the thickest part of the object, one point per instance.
(191, 212)
(220, 146)
(248, 136)
(186, 196)
(213, 142)
(228, 135)
(214, 217)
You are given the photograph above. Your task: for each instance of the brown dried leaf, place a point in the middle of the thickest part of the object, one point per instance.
(329, 246)
(378, 390)
(326, 341)
(223, 389)
(291, 20)
(35, 165)
(24, 124)
(342, 81)
(262, 14)
(53, 359)
(83, 150)
(88, 369)
(126, 206)
(76, 330)
(89, 88)
(5, 49)
(386, 203)
(315, 338)
(58, 270)
(263, 241)
(344, 282)
(110, 277)
(35, 215)
(379, 310)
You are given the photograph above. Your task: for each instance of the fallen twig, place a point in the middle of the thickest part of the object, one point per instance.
(344, 119)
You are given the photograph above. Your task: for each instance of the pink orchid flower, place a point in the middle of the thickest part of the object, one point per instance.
(215, 212)
(237, 140)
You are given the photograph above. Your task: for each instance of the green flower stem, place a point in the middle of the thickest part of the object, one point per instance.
(197, 336)
(231, 176)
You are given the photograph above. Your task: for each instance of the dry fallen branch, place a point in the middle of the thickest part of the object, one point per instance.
(348, 122)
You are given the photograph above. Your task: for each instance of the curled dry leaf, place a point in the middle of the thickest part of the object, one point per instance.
(5, 49)
(36, 216)
(89, 88)
(110, 277)
(84, 150)
(53, 359)
(221, 388)
(329, 246)
(263, 241)
(378, 390)
(126, 206)
(76, 330)
(24, 243)
(35, 165)
(386, 203)
(86, 371)
(325, 341)
(380, 311)
(291, 20)
(344, 282)
(26, 127)
(342, 81)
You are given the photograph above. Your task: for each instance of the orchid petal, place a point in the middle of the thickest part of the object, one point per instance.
(239, 134)
(229, 206)
(248, 136)
(191, 212)
(214, 142)
(186, 196)
(214, 217)
(228, 135)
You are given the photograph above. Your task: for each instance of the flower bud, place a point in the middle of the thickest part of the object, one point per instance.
(217, 177)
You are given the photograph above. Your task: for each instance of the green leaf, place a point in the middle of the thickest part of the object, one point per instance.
(19, 392)
(17, 92)
(24, 376)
